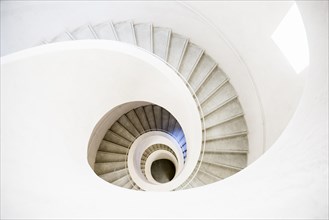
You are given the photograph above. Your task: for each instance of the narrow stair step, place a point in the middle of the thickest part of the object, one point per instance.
(102, 168)
(122, 181)
(157, 116)
(227, 128)
(171, 124)
(191, 58)
(204, 68)
(207, 177)
(125, 32)
(229, 159)
(128, 125)
(103, 157)
(204, 96)
(229, 111)
(129, 184)
(84, 32)
(105, 31)
(165, 119)
(117, 139)
(112, 147)
(196, 183)
(150, 116)
(122, 131)
(235, 143)
(132, 116)
(218, 170)
(142, 118)
(65, 36)
(161, 40)
(229, 136)
(224, 94)
(144, 36)
(177, 48)
(216, 77)
(112, 176)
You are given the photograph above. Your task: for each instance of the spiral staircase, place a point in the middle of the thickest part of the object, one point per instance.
(225, 142)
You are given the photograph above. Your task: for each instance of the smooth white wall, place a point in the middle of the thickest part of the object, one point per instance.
(289, 181)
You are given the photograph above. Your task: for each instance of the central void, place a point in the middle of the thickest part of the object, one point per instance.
(163, 170)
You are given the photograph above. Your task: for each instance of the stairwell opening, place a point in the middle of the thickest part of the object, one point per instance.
(163, 170)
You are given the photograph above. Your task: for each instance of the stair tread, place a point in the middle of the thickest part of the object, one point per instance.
(125, 32)
(177, 48)
(191, 58)
(116, 138)
(228, 119)
(107, 146)
(83, 32)
(112, 176)
(106, 167)
(144, 36)
(109, 157)
(161, 40)
(242, 133)
(122, 131)
(105, 31)
(204, 68)
(223, 165)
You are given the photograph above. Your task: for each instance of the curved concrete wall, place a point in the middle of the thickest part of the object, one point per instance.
(236, 34)
(289, 181)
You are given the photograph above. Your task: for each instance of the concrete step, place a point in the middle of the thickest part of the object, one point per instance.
(84, 32)
(112, 147)
(122, 181)
(231, 159)
(229, 111)
(150, 116)
(161, 41)
(207, 178)
(102, 168)
(235, 143)
(122, 131)
(227, 128)
(144, 36)
(129, 126)
(216, 77)
(229, 136)
(142, 118)
(218, 170)
(103, 157)
(65, 36)
(129, 184)
(133, 118)
(171, 124)
(191, 58)
(165, 119)
(117, 139)
(112, 176)
(177, 48)
(196, 182)
(157, 116)
(125, 32)
(204, 68)
(218, 99)
(105, 31)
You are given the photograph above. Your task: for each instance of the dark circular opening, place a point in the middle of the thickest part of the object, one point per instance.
(163, 170)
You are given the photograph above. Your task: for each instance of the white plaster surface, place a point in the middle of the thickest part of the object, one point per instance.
(289, 181)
